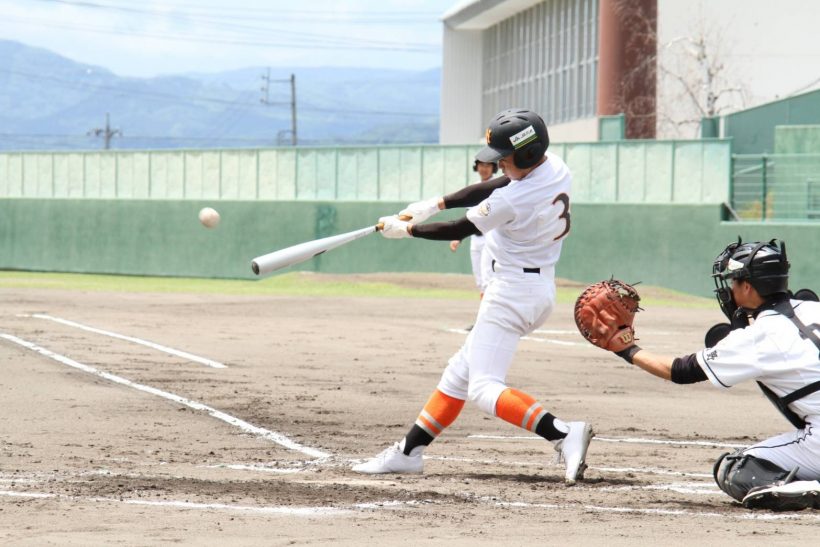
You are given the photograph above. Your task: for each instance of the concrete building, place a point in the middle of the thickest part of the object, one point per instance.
(664, 64)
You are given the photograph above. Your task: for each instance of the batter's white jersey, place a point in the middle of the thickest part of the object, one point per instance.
(524, 222)
(771, 351)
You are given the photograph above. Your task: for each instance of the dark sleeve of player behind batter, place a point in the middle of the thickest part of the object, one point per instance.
(446, 231)
(475, 193)
(686, 370)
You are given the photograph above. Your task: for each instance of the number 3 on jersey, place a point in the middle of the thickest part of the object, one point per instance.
(563, 199)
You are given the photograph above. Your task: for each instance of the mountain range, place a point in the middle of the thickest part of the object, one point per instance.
(50, 102)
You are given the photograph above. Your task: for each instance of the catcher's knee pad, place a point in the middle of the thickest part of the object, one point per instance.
(738, 473)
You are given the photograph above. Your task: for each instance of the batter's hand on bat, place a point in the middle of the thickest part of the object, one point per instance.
(394, 228)
(421, 210)
(454, 245)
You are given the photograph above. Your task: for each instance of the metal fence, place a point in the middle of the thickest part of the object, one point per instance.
(775, 187)
(621, 171)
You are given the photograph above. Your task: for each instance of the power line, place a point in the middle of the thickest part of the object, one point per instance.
(302, 40)
(366, 16)
(188, 100)
(346, 44)
(84, 86)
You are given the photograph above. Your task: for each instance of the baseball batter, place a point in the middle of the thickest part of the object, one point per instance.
(774, 339)
(481, 264)
(524, 217)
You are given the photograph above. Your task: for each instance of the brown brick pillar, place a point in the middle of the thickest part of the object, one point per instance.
(627, 59)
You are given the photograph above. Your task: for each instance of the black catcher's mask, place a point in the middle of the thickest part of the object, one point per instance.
(762, 264)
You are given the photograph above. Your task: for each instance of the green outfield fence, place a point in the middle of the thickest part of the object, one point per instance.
(624, 171)
(776, 187)
(648, 211)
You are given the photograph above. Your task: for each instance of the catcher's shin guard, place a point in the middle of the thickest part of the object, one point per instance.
(737, 473)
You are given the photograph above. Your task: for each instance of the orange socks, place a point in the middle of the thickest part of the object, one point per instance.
(519, 409)
(440, 411)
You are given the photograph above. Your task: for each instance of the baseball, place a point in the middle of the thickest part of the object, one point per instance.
(209, 217)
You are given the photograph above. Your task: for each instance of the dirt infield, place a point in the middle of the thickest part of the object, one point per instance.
(104, 439)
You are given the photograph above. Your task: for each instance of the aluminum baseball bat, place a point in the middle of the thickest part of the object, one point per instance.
(305, 251)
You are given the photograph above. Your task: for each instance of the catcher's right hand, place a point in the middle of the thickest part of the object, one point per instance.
(604, 313)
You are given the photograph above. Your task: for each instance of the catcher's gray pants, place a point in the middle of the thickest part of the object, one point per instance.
(769, 461)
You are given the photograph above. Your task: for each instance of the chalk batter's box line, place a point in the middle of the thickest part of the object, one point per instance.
(257, 431)
(133, 339)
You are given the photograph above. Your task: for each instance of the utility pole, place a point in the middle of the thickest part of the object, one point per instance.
(107, 133)
(265, 89)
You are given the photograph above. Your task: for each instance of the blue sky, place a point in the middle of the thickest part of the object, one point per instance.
(153, 37)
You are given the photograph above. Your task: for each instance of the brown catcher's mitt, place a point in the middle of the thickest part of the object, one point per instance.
(604, 314)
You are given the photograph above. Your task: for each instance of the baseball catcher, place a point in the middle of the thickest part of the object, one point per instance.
(772, 337)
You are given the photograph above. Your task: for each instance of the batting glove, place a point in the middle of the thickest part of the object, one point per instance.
(421, 210)
(393, 228)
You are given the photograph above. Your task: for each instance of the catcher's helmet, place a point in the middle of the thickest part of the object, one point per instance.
(515, 131)
(763, 264)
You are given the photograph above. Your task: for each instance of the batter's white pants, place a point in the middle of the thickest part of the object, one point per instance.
(482, 267)
(800, 448)
(515, 304)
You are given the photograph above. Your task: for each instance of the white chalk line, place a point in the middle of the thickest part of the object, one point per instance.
(257, 431)
(257, 468)
(696, 488)
(371, 506)
(621, 470)
(263, 509)
(658, 512)
(560, 332)
(531, 338)
(179, 353)
(627, 440)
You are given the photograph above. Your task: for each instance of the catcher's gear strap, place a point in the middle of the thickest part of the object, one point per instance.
(445, 231)
(784, 307)
(686, 370)
(474, 193)
(737, 473)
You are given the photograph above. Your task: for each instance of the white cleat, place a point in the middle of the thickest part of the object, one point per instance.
(794, 496)
(393, 460)
(572, 450)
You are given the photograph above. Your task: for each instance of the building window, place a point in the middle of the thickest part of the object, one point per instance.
(544, 58)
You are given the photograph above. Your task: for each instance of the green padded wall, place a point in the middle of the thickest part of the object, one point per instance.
(667, 245)
(154, 237)
(673, 245)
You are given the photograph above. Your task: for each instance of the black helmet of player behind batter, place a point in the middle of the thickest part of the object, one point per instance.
(763, 264)
(477, 162)
(516, 131)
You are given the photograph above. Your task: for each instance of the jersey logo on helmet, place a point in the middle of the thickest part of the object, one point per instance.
(523, 137)
(488, 135)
